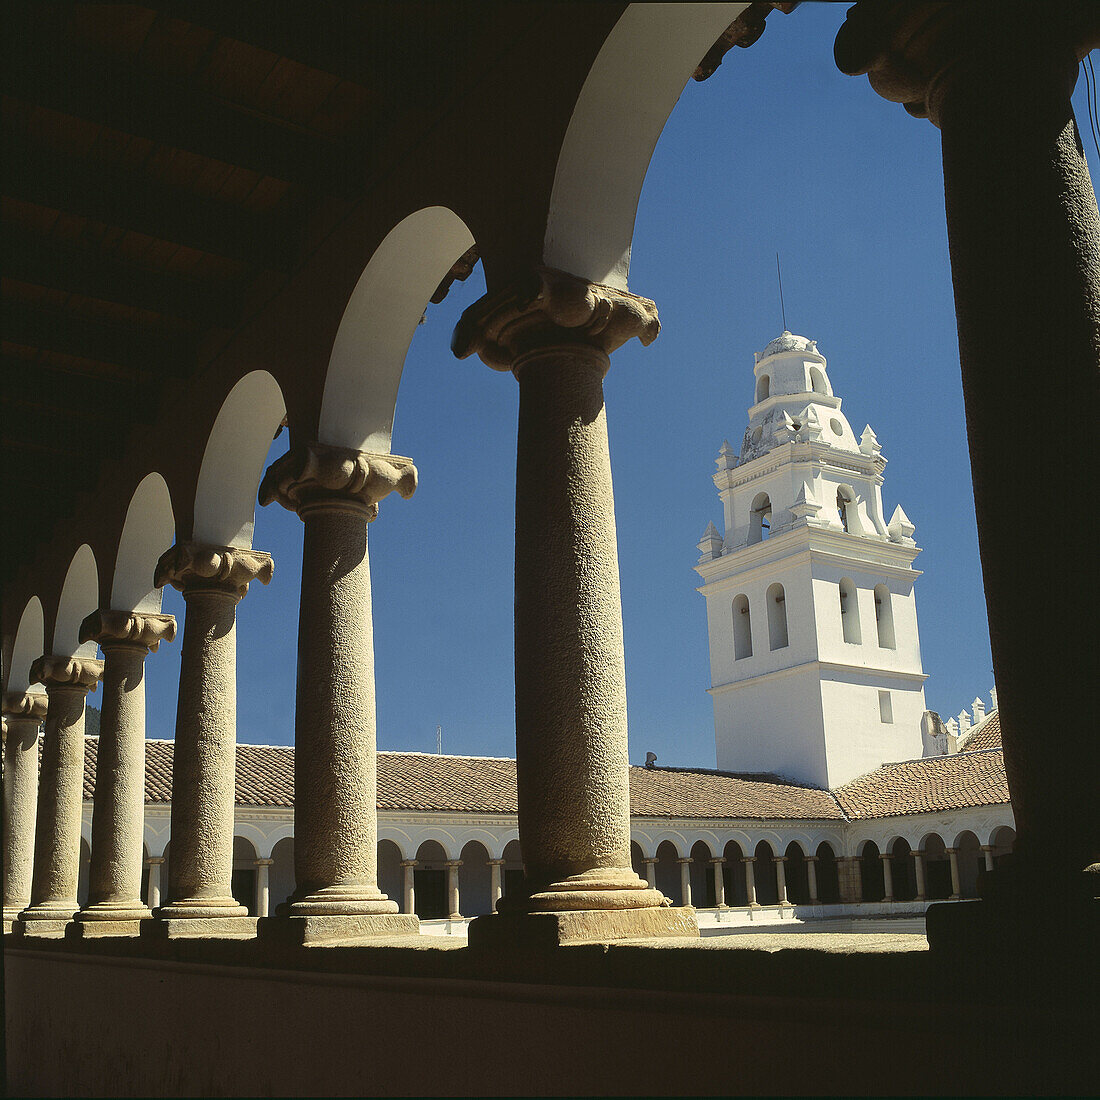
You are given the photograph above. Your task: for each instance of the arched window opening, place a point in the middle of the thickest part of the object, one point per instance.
(849, 612)
(843, 503)
(777, 617)
(765, 875)
(884, 617)
(733, 875)
(937, 868)
(742, 628)
(701, 874)
(760, 518)
(871, 876)
(828, 877)
(797, 876)
(817, 381)
(902, 872)
(667, 872)
(763, 388)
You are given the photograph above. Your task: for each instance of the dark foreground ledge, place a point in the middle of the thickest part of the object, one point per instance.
(760, 1013)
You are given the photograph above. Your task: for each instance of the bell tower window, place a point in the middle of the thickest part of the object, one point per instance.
(843, 503)
(760, 518)
(849, 612)
(777, 617)
(884, 617)
(742, 628)
(763, 388)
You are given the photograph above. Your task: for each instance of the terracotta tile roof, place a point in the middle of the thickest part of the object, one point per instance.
(925, 786)
(428, 783)
(985, 736)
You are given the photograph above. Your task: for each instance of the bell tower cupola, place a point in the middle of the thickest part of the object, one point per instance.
(815, 659)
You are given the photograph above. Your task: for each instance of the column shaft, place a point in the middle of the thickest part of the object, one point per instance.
(61, 788)
(154, 864)
(685, 881)
(718, 866)
(781, 878)
(918, 866)
(953, 859)
(887, 876)
(409, 884)
(811, 874)
(651, 872)
(200, 872)
(263, 887)
(118, 813)
(750, 879)
(20, 805)
(454, 902)
(495, 866)
(1024, 236)
(987, 851)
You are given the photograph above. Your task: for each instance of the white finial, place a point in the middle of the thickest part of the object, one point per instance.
(993, 699)
(710, 545)
(811, 424)
(964, 721)
(727, 456)
(953, 726)
(806, 505)
(869, 443)
(979, 710)
(900, 528)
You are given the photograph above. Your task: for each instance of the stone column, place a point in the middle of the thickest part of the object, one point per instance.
(60, 793)
(454, 903)
(213, 580)
(495, 891)
(811, 875)
(987, 851)
(555, 333)
(114, 904)
(154, 863)
(781, 878)
(409, 887)
(685, 880)
(1024, 236)
(263, 887)
(717, 869)
(887, 876)
(918, 866)
(750, 878)
(23, 714)
(651, 872)
(335, 491)
(953, 859)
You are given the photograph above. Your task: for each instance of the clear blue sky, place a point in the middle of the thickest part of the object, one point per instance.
(776, 152)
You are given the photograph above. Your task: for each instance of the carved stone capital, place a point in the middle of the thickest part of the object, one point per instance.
(193, 566)
(78, 672)
(911, 51)
(25, 704)
(319, 475)
(552, 308)
(134, 628)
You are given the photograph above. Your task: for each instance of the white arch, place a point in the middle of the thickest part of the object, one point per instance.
(79, 598)
(368, 354)
(253, 834)
(282, 831)
(30, 644)
(147, 532)
(622, 108)
(225, 498)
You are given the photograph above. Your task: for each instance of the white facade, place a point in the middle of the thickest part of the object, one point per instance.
(815, 659)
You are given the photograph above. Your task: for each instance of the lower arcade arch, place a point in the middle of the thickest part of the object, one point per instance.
(390, 872)
(797, 875)
(872, 881)
(475, 880)
(701, 876)
(828, 876)
(734, 874)
(765, 874)
(903, 870)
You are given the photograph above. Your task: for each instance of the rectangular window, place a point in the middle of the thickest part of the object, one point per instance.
(885, 707)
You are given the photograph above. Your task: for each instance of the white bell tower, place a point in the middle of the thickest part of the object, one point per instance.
(815, 662)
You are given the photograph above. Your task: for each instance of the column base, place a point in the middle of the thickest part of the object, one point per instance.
(512, 931)
(114, 912)
(46, 928)
(105, 929)
(199, 928)
(202, 909)
(339, 901)
(306, 931)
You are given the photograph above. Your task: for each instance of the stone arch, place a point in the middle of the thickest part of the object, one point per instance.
(763, 388)
(148, 530)
(233, 461)
(970, 862)
(667, 871)
(512, 876)
(818, 382)
(871, 877)
(368, 354)
(937, 868)
(622, 108)
(430, 880)
(828, 876)
(765, 875)
(701, 876)
(244, 871)
(391, 875)
(280, 875)
(760, 515)
(79, 598)
(29, 645)
(796, 874)
(1002, 839)
(902, 870)
(475, 880)
(735, 882)
(637, 859)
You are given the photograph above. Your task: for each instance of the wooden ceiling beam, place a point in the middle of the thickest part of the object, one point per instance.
(39, 67)
(32, 258)
(129, 201)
